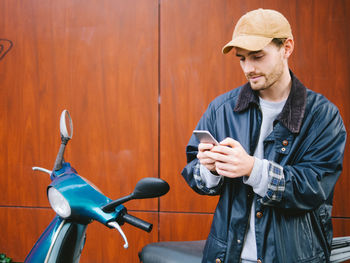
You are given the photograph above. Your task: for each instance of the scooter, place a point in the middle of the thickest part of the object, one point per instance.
(77, 203)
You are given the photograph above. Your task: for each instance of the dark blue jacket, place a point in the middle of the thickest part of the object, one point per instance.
(306, 147)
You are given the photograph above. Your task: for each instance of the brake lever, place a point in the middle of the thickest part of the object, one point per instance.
(117, 226)
(42, 170)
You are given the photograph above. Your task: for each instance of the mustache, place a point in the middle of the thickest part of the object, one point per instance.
(254, 74)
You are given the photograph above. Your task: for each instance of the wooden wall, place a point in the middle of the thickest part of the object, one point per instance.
(136, 76)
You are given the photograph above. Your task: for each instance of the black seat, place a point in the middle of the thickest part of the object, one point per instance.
(192, 251)
(340, 249)
(173, 252)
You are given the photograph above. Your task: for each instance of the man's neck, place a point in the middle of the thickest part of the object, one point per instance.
(280, 90)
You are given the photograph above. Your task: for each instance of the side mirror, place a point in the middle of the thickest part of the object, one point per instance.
(66, 125)
(148, 187)
(66, 130)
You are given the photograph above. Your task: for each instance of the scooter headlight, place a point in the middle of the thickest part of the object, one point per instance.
(58, 203)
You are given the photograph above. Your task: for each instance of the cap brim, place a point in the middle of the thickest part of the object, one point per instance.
(252, 43)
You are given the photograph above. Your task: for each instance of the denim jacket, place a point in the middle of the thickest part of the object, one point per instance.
(305, 153)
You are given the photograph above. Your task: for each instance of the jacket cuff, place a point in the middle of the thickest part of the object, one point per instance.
(201, 184)
(258, 178)
(209, 178)
(276, 185)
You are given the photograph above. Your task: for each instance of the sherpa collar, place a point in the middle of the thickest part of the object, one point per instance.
(293, 111)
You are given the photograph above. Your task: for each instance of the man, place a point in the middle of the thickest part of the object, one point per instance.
(280, 155)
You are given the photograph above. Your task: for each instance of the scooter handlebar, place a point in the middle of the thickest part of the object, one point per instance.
(136, 222)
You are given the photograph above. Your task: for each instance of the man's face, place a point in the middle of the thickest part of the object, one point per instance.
(262, 68)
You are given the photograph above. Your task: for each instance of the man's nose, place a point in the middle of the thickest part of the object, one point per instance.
(248, 67)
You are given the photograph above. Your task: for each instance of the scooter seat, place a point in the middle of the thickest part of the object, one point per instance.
(173, 252)
(192, 251)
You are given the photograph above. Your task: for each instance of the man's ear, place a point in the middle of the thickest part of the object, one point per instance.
(288, 47)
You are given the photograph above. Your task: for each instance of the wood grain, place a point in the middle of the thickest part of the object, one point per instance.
(25, 225)
(136, 77)
(184, 226)
(20, 229)
(341, 227)
(99, 60)
(106, 245)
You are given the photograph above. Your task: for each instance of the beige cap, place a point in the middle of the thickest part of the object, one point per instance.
(257, 28)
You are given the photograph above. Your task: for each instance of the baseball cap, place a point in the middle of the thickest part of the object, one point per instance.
(257, 28)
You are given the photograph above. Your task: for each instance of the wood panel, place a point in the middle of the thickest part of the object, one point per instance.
(191, 66)
(25, 225)
(321, 61)
(184, 226)
(193, 72)
(106, 245)
(341, 227)
(20, 229)
(98, 59)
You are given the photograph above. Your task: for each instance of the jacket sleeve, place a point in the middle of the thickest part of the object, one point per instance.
(310, 179)
(191, 172)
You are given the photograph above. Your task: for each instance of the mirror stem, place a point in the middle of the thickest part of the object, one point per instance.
(59, 158)
(108, 208)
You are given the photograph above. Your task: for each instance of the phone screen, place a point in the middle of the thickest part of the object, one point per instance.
(205, 137)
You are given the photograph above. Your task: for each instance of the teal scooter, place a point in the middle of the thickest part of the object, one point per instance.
(77, 203)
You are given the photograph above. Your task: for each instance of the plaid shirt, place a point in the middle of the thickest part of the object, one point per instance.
(276, 185)
(275, 189)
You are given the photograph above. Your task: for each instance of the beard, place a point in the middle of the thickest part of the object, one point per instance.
(262, 81)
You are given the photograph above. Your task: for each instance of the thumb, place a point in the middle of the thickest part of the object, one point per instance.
(230, 142)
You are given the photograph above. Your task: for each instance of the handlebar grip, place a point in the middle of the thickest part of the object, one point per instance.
(137, 222)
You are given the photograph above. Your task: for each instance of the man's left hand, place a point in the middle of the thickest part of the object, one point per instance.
(231, 159)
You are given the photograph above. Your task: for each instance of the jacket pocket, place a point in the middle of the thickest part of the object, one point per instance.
(294, 238)
(326, 222)
(214, 249)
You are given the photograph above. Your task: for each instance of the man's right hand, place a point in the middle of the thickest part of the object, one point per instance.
(203, 158)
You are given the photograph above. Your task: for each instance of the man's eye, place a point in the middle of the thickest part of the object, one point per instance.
(257, 57)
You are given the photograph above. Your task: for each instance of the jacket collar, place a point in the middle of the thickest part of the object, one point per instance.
(293, 111)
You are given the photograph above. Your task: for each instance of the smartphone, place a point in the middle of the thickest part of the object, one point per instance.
(205, 137)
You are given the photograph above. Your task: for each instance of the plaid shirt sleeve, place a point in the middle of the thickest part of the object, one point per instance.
(201, 184)
(276, 185)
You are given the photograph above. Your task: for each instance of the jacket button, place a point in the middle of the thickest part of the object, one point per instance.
(283, 149)
(259, 261)
(259, 214)
(218, 260)
(285, 142)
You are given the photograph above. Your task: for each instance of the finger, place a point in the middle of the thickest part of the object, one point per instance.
(226, 167)
(210, 167)
(227, 170)
(205, 147)
(230, 142)
(222, 150)
(207, 161)
(226, 173)
(204, 159)
(204, 155)
(218, 156)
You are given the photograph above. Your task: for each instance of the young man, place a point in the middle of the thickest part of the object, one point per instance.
(280, 155)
